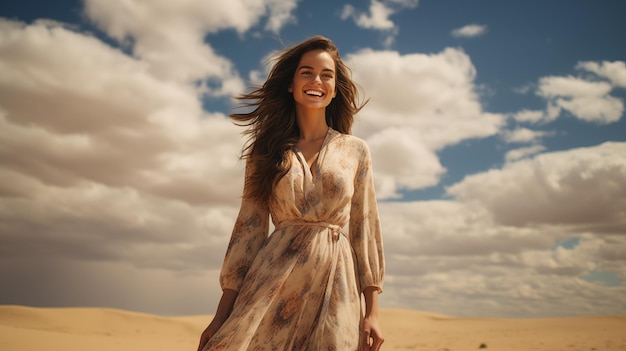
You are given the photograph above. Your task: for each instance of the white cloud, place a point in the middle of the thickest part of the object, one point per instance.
(377, 18)
(280, 14)
(530, 116)
(451, 228)
(110, 161)
(523, 152)
(402, 162)
(613, 71)
(470, 31)
(451, 257)
(551, 87)
(587, 98)
(428, 99)
(583, 187)
(499, 240)
(523, 135)
(602, 110)
(94, 222)
(434, 95)
(169, 36)
(105, 118)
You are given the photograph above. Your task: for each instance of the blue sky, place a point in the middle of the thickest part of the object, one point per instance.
(497, 131)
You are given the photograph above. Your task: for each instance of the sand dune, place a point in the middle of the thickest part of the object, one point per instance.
(96, 329)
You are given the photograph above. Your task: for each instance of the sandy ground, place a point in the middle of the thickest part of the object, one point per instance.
(96, 329)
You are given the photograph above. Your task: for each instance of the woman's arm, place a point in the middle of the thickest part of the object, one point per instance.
(372, 335)
(249, 232)
(367, 243)
(224, 308)
(365, 229)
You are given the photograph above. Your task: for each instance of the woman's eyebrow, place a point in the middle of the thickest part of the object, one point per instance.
(311, 68)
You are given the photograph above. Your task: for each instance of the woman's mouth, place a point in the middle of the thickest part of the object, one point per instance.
(316, 93)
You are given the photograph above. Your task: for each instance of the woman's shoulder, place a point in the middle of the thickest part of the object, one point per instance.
(351, 141)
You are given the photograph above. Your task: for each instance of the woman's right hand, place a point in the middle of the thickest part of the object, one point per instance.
(224, 307)
(208, 333)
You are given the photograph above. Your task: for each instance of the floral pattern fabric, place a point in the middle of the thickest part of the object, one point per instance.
(300, 287)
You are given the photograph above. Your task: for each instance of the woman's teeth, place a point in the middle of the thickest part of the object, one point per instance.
(313, 92)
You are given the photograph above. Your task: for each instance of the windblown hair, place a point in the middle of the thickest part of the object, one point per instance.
(272, 126)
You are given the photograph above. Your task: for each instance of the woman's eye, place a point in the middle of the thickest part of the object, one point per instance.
(305, 73)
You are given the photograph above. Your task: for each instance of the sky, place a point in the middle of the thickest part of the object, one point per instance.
(497, 133)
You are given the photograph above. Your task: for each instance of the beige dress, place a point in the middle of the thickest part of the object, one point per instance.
(300, 287)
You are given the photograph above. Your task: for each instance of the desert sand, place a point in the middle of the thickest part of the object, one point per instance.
(97, 329)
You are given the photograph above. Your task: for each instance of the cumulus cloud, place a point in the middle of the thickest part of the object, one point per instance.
(582, 187)
(613, 71)
(523, 135)
(96, 223)
(169, 36)
(470, 31)
(454, 257)
(377, 18)
(280, 13)
(433, 94)
(587, 97)
(429, 101)
(112, 163)
(518, 154)
(402, 162)
(529, 116)
(105, 118)
(589, 101)
(502, 238)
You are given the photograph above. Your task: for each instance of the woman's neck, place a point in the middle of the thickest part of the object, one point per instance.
(312, 124)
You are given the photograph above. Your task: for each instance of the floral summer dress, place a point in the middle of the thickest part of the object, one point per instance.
(300, 287)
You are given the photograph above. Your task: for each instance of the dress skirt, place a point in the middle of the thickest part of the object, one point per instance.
(302, 295)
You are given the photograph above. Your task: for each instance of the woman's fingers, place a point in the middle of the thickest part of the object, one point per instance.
(372, 341)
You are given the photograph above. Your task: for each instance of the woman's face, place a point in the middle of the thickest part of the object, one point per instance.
(313, 85)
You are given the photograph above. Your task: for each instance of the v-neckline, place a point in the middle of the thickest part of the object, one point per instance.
(313, 168)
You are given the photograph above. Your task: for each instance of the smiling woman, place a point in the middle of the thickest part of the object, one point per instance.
(300, 288)
(313, 89)
(314, 81)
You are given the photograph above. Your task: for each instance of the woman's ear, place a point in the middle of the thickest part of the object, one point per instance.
(290, 88)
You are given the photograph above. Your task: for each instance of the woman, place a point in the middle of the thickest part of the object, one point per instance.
(300, 287)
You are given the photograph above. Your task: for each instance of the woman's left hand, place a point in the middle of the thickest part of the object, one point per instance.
(371, 334)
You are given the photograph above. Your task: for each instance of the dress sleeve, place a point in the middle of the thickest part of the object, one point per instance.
(365, 231)
(250, 230)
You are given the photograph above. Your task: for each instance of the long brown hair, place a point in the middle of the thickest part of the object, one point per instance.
(272, 125)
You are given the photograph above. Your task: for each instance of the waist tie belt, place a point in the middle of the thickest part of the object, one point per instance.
(335, 230)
